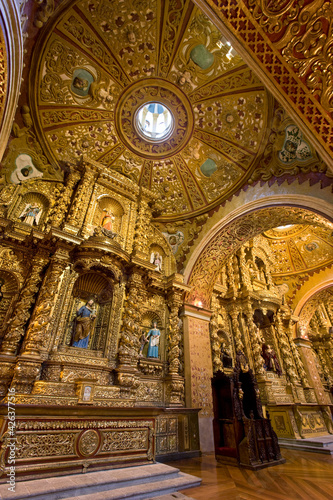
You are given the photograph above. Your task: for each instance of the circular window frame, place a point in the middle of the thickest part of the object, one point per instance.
(141, 133)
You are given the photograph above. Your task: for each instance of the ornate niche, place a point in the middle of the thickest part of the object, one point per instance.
(157, 257)
(95, 287)
(150, 390)
(146, 324)
(227, 348)
(109, 214)
(30, 210)
(159, 245)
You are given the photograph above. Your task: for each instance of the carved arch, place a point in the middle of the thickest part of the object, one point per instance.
(225, 239)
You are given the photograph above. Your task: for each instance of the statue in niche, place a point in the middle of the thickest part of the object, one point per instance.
(226, 357)
(153, 337)
(253, 270)
(84, 321)
(107, 220)
(31, 214)
(156, 259)
(270, 359)
(262, 275)
(106, 226)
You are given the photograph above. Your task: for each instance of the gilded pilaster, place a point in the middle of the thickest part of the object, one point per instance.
(296, 356)
(142, 227)
(175, 382)
(244, 271)
(231, 278)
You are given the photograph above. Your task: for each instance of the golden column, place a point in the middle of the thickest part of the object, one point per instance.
(175, 382)
(62, 200)
(234, 313)
(15, 330)
(214, 338)
(29, 362)
(129, 344)
(82, 197)
(255, 340)
(36, 335)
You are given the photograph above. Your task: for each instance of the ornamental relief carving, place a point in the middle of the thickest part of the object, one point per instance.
(302, 33)
(291, 43)
(150, 391)
(125, 440)
(39, 445)
(88, 443)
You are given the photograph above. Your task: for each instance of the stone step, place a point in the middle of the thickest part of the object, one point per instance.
(144, 491)
(322, 444)
(130, 483)
(172, 496)
(320, 441)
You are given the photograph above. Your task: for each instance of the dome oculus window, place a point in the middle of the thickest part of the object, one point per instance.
(154, 121)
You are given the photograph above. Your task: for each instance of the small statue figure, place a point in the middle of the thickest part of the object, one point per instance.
(270, 358)
(156, 259)
(107, 220)
(144, 341)
(31, 214)
(153, 337)
(226, 356)
(85, 317)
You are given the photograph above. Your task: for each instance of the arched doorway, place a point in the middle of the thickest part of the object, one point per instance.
(216, 248)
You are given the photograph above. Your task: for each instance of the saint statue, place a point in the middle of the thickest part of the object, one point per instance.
(153, 337)
(107, 220)
(31, 214)
(270, 358)
(85, 317)
(156, 259)
(226, 357)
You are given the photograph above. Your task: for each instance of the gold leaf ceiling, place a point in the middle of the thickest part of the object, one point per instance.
(300, 248)
(101, 60)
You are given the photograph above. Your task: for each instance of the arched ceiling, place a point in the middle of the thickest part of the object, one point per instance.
(300, 248)
(101, 60)
(324, 296)
(231, 236)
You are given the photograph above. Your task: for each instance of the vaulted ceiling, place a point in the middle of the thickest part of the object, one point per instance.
(100, 61)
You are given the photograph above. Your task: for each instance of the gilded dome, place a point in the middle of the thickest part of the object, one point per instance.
(101, 63)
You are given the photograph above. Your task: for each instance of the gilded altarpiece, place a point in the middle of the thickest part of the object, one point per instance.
(90, 263)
